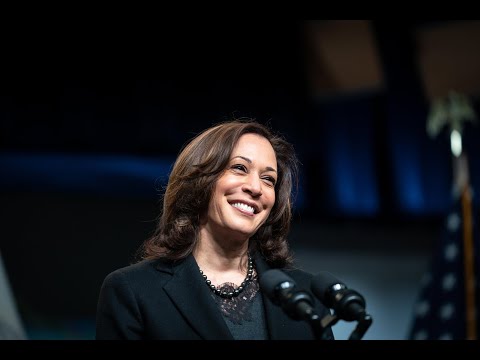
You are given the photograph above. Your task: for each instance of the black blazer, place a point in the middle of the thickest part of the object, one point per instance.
(160, 300)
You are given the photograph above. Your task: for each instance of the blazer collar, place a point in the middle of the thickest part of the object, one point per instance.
(192, 297)
(188, 291)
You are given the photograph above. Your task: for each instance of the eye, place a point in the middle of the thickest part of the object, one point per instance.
(239, 167)
(270, 180)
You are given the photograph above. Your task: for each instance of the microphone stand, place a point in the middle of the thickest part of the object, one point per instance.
(327, 321)
(319, 326)
(299, 307)
(363, 324)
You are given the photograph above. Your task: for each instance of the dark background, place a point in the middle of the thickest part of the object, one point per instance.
(90, 124)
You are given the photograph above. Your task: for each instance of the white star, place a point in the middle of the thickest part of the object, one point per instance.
(451, 251)
(420, 335)
(422, 308)
(448, 282)
(445, 336)
(446, 311)
(453, 222)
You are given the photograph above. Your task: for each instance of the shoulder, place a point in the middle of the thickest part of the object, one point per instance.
(139, 272)
(301, 277)
(298, 273)
(294, 272)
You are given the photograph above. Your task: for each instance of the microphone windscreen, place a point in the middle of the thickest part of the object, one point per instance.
(321, 283)
(270, 279)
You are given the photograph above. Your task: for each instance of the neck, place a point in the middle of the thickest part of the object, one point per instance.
(220, 254)
(221, 266)
(209, 258)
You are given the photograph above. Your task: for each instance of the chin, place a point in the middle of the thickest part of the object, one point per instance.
(245, 232)
(241, 227)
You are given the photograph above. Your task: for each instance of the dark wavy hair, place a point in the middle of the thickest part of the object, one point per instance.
(191, 183)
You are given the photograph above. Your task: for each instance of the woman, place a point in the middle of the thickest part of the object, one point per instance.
(226, 216)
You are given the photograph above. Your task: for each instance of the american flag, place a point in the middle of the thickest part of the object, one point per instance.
(440, 311)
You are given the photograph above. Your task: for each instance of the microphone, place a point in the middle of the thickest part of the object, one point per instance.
(281, 290)
(348, 304)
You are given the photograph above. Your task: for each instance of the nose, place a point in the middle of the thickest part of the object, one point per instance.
(253, 185)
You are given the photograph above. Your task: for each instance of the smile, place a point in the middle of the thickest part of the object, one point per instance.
(244, 207)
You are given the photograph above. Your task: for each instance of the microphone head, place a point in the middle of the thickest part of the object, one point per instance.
(280, 289)
(347, 303)
(273, 281)
(323, 284)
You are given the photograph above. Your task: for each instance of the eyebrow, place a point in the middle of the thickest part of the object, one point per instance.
(250, 161)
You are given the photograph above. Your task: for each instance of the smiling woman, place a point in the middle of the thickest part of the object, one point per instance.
(225, 220)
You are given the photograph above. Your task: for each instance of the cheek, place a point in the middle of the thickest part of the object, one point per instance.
(270, 200)
(226, 184)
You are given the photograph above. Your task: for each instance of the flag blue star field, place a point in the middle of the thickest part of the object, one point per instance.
(440, 310)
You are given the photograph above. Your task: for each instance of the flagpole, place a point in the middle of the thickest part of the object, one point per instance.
(455, 110)
(468, 253)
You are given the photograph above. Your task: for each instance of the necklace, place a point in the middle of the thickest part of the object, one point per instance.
(231, 294)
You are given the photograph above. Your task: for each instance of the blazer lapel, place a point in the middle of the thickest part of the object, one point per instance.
(188, 291)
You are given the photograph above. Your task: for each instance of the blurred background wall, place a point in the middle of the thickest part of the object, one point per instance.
(90, 127)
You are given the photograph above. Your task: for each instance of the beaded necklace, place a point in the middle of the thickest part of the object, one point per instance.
(229, 295)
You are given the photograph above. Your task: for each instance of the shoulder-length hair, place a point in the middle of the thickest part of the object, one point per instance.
(191, 183)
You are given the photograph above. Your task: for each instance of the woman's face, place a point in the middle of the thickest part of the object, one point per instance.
(245, 193)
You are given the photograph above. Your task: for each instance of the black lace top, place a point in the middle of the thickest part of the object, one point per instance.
(244, 314)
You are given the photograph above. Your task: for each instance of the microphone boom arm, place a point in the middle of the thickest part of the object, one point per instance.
(361, 328)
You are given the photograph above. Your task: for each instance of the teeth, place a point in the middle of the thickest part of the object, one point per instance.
(244, 207)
